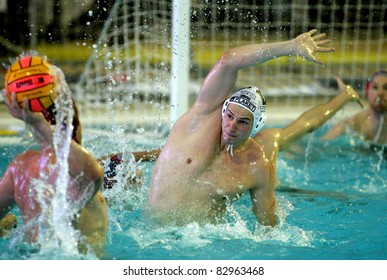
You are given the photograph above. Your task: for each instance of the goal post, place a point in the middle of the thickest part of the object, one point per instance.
(180, 59)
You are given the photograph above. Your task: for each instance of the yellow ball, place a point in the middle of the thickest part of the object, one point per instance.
(32, 77)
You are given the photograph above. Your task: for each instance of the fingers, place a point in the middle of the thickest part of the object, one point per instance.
(25, 109)
(8, 102)
(349, 91)
(318, 61)
(340, 83)
(27, 114)
(26, 105)
(322, 42)
(319, 36)
(13, 104)
(311, 32)
(6, 98)
(307, 46)
(319, 42)
(360, 104)
(314, 59)
(325, 49)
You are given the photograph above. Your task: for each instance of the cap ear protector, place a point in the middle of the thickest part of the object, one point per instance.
(250, 98)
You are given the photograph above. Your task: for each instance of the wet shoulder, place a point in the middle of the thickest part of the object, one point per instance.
(26, 155)
(198, 121)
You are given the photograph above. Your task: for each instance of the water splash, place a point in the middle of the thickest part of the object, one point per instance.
(61, 212)
(56, 237)
(129, 191)
(308, 153)
(241, 225)
(288, 175)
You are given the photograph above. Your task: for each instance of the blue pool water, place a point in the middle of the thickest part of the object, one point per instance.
(332, 202)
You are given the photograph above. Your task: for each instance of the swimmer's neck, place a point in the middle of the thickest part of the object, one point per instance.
(377, 114)
(378, 117)
(233, 148)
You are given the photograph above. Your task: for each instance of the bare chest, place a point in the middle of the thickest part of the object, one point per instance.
(211, 177)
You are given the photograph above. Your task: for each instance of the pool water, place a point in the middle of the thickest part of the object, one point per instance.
(332, 203)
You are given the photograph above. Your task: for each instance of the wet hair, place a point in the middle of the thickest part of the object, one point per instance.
(50, 115)
(382, 72)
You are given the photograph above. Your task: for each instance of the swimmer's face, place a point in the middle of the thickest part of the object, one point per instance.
(236, 125)
(377, 93)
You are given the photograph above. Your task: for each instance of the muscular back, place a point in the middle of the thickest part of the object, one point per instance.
(23, 178)
(25, 170)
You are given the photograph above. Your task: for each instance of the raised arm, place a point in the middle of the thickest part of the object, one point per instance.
(221, 79)
(317, 116)
(41, 131)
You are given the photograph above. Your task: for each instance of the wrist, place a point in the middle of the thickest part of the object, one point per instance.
(292, 47)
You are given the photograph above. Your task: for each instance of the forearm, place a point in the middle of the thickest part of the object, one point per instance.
(271, 219)
(266, 216)
(263, 199)
(222, 77)
(303, 45)
(249, 55)
(146, 155)
(40, 128)
(312, 119)
(151, 155)
(317, 116)
(42, 132)
(220, 81)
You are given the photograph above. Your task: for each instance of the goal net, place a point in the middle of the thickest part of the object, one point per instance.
(131, 61)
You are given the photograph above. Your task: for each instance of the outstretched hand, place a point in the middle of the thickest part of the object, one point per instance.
(24, 114)
(348, 90)
(307, 45)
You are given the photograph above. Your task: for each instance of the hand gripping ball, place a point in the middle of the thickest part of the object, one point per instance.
(32, 77)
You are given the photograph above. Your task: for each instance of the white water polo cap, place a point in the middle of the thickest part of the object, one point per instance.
(250, 98)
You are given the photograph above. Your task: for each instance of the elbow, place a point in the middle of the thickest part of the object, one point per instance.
(229, 60)
(272, 218)
(95, 177)
(269, 220)
(98, 176)
(273, 221)
(267, 217)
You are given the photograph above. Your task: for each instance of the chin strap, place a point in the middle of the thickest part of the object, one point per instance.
(230, 149)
